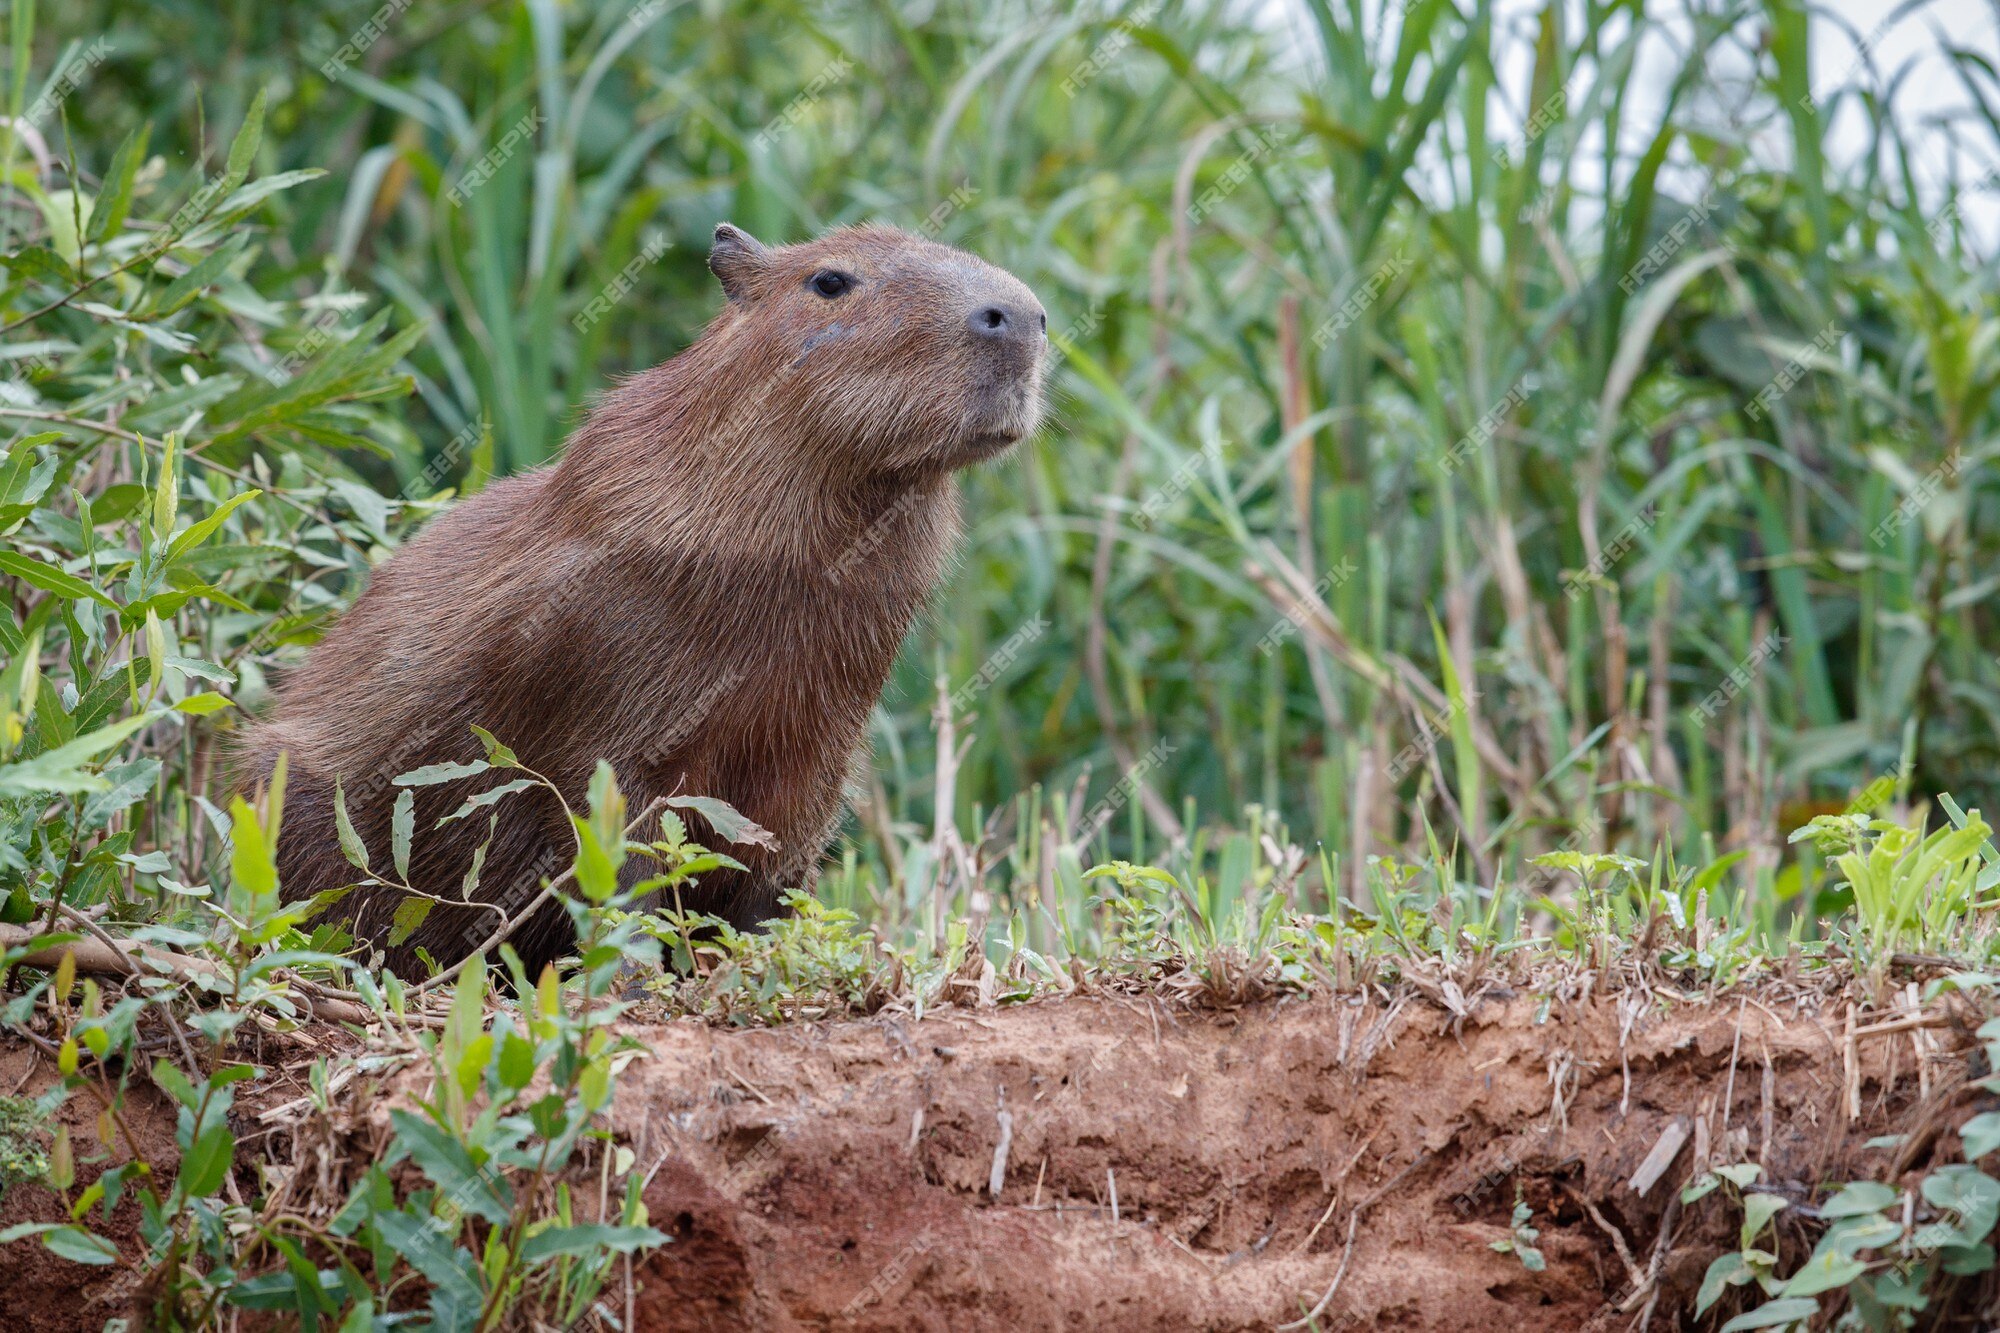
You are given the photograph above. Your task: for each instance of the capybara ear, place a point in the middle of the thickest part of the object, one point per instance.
(734, 259)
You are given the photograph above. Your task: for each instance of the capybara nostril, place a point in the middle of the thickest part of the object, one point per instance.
(991, 321)
(1001, 320)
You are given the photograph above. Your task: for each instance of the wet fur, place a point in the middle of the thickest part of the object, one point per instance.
(708, 590)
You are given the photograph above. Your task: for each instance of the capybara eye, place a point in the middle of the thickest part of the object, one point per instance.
(830, 283)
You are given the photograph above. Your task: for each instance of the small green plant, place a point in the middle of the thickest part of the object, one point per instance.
(513, 1101)
(1585, 927)
(1910, 886)
(815, 961)
(1751, 1260)
(1141, 915)
(22, 1154)
(474, 1194)
(1520, 1242)
(1890, 1255)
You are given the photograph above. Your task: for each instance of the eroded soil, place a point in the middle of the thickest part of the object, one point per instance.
(1176, 1169)
(838, 1176)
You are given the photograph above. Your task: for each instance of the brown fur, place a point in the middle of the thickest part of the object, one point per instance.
(708, 590)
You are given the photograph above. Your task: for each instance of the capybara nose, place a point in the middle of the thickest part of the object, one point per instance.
(1007, 321)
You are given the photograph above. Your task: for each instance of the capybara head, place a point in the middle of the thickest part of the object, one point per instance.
(905, 353)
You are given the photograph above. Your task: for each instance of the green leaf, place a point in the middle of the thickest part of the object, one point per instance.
(87, 1200)
(517, 1062)
(203, 703)
(468, 1000)
(1637, 337)
(1823, 1272)
(472, 1063)
(367, 503)
(497, 754)
(596, 868)
(62, 211)
(432, 774)
(199, 532)
(1967, 1191)
(23, 1230)
(203, 274)
(548, 1115)
(429, 1249)
(166, 495)
(24, 478)
(447, 1161)
(1862, 1196)
(130, 782)
(19, 908)
(207, 1163)
(80, 1246)
(59, 770)
(1965, 1260)
(1981, 1134)
(169, 1077)
(593, 1085)
(727, 820)
(62, 1155)
(693, 866)
(242, 200)
(156, 653)
(50, 579)
(200, 670)
(402, 827)
(1774, 1313)
(253, 865)
(351, 846)
(38, 263)
(243, 148)
(470, 884)
(1848, 1236)
(21, 35)
(114, 201)
(607, 811)
(485, 798)
(1758, 1210)
(410, 914)
(1728, 1270)
(588, 1237)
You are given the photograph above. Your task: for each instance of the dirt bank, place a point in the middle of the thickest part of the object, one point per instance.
(1180, 1171)
(1173, 1169)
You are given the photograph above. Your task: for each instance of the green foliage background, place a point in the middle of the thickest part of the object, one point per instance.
(1443, 482)
(1196, 196)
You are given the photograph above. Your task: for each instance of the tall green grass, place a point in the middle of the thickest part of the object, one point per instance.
(1328, 353)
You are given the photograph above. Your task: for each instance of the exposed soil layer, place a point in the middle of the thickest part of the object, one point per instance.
(1176, 1170)
(1173, 1169)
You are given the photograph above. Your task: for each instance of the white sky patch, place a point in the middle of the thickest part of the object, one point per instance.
(1939, 117)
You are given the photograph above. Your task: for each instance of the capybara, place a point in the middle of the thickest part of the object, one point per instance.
(707, 589)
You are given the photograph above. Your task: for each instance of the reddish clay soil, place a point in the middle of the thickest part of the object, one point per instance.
(1177, 1169)
(837, 1175)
